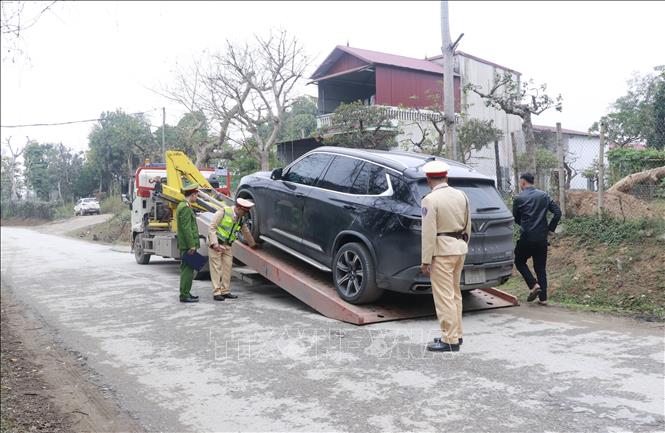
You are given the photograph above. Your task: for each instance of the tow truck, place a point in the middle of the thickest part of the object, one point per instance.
(154, 233)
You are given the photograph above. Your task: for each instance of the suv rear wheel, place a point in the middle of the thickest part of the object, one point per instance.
(354, 274)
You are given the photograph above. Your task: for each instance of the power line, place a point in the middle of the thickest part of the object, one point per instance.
(72, 121)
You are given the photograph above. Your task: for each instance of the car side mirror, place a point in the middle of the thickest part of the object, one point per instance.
(276, 174)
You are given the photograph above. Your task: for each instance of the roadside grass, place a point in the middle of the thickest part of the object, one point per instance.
(64, 211)
(606, 265)
(113, 205)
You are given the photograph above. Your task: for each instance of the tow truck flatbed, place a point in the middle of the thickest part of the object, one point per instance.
(315, 289)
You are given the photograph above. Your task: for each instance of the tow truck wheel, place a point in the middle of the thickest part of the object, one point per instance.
(354, 274)
(141, 257)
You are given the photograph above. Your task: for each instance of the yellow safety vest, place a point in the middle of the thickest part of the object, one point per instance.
(228, 228)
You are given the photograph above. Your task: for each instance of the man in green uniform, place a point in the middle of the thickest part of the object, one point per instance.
(188, 239)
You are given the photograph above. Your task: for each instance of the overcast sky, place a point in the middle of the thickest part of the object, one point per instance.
(86, 58)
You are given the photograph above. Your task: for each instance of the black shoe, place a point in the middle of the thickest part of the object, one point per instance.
(193, 296)
(461, 340)
(440, 346)
(534, 293)
(189, 299)
(230, 296)
(218, 297)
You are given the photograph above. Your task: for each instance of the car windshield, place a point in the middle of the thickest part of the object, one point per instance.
(483, 197)
(87, 200)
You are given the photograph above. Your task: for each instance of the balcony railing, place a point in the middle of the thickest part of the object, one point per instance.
(393, 113)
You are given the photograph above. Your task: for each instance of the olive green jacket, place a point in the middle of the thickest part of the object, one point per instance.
(188, 232)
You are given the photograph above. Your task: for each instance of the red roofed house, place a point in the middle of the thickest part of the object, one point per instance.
(404, 84)
(351, 74)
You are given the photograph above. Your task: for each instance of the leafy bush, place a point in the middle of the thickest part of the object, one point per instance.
(29, 209)
(113, 205)
(625, 161)
(63, 211)
(595, 230)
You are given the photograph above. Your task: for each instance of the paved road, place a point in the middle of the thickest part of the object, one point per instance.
(266, 362)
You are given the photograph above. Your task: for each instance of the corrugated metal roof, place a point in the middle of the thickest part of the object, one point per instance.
(476, 58)
(374, 58)
(544, 128)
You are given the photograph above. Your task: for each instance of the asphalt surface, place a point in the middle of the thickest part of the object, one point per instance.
(266, 362)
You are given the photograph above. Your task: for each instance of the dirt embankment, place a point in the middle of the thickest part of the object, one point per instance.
(617, 204)
(114, 230)
(45, 388)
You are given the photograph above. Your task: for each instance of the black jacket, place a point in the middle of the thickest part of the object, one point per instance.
(530, 211)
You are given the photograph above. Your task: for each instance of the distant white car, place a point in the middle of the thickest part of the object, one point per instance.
(87, 206)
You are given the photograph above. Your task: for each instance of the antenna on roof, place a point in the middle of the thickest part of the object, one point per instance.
(347, 43)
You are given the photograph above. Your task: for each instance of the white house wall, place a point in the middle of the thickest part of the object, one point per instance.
(581, 153)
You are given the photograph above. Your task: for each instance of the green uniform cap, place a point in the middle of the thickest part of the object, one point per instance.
(190, 187)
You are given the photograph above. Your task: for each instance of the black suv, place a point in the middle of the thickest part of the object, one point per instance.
(356, 213)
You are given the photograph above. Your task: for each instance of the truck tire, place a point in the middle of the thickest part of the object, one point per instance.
(141, 257)
(354, 274)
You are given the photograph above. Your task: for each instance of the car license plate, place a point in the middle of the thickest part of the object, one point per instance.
(474, 276)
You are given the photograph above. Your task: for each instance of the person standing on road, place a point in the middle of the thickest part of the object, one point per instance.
(188, 239)
(223, 231)
(530, 211)
(446, 228)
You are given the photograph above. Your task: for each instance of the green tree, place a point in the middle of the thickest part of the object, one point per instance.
(656, 139)
(63, 168)
(523, 99)
(299, 120)
(474, 135)
(36, 169)
(361, 126)
(118, 143)
(87, 180)
(632, 118)
(170, 138)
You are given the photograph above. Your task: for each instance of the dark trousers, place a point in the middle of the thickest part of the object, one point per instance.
(186, 277)
(538, 251)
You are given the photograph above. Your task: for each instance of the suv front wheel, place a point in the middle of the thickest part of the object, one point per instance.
(354, 274)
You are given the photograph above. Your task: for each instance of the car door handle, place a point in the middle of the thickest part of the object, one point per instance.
(349, 207)
(300, 194)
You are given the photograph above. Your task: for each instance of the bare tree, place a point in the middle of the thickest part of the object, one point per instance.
(14, 168)
(245, 90)
(523, 100)
(272, 70)
(15, 19)
(213, 90)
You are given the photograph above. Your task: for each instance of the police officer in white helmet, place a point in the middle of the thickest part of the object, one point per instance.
(446, 223)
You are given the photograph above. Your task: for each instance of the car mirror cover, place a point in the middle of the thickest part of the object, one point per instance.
(276, 174)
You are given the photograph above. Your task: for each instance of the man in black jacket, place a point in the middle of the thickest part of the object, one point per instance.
(530, 211)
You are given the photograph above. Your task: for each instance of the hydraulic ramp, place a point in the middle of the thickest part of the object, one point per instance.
(315, 289)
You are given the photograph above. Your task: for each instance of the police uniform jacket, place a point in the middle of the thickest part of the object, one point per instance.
(187, 231)
(444, 210)
(217, 219)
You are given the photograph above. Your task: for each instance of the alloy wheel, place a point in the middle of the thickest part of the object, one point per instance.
(350, 273)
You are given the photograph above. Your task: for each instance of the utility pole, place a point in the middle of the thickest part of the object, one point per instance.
(448, 50)
(562, 173)
(497, 164)
(601, 168)
(516, 178)
(163, 128)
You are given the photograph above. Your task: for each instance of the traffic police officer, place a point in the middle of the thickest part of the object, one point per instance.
(188, 239)
(446, 227)
(223, 231)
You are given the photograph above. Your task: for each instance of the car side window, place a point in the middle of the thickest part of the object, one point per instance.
(401, 190)
(307, 170)
(370, 181)
(341, 173)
